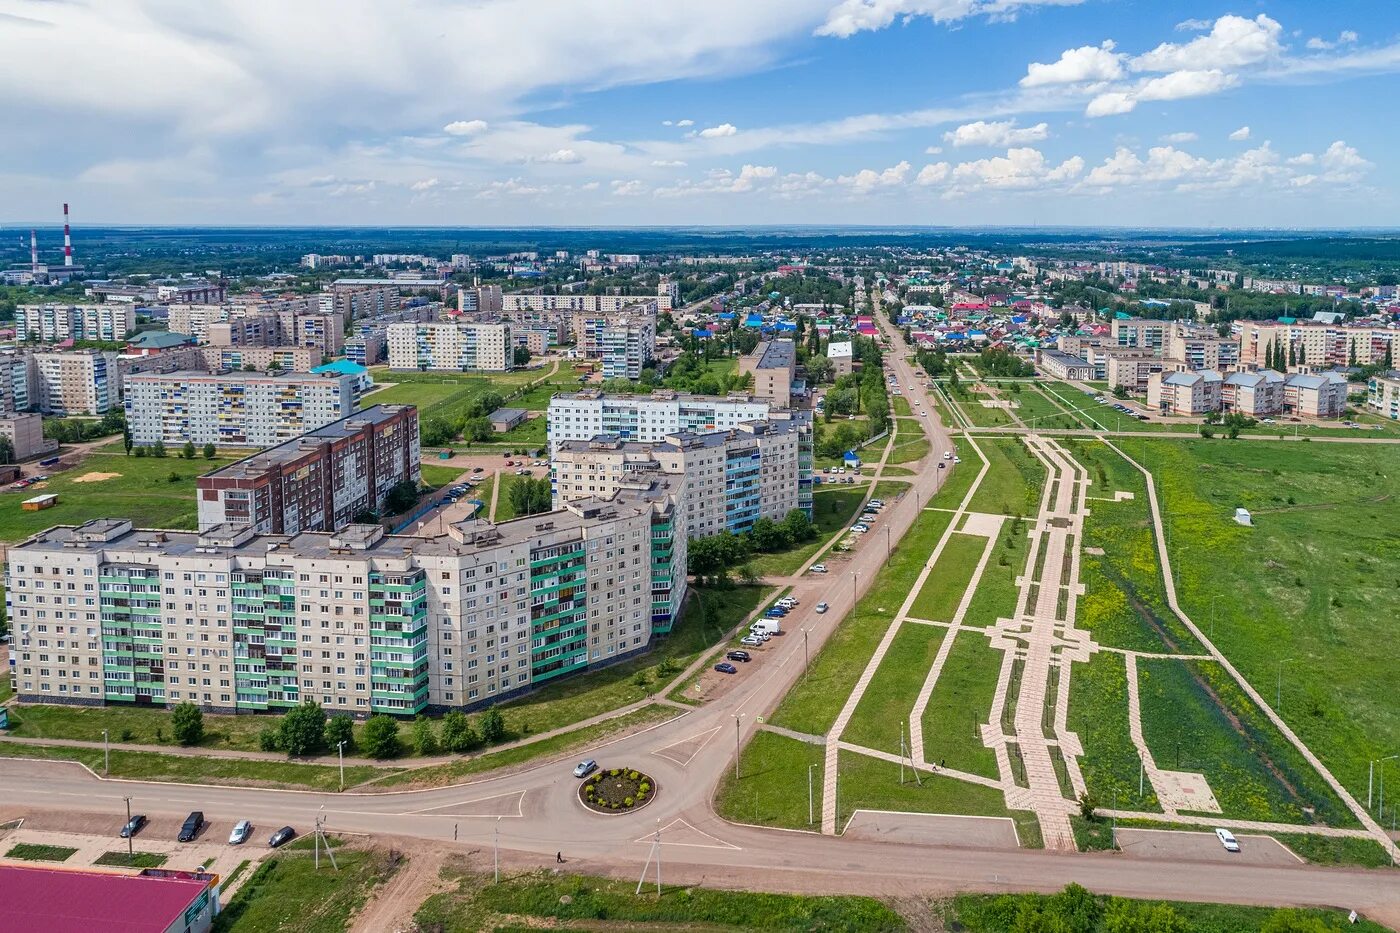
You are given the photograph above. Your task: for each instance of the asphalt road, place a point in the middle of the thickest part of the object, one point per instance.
(536, 812)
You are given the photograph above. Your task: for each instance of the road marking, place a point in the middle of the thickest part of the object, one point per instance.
(519, 796)
(666, 752)
(718, 843)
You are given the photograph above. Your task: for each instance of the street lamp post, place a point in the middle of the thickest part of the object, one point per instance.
(106, 755)
(340, 749)
(496, 850)
(804, 653)
(130, 851)
(855, 576)
(738, 719)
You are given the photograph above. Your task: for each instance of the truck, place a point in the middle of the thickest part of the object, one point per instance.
(767, 627)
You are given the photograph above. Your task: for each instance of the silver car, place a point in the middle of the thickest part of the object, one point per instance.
(241, 831)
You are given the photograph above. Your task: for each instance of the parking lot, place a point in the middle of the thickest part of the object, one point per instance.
(1179, 845)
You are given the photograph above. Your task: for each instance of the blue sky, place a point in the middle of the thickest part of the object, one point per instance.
(604, 112)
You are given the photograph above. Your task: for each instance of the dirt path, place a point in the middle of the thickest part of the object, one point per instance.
(391, 908)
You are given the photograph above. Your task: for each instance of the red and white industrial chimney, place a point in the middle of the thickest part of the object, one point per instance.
(67, 238)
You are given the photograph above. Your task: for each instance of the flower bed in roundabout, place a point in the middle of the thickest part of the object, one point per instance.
(617, 790)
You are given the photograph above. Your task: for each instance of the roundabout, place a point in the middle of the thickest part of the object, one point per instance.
(614, 791)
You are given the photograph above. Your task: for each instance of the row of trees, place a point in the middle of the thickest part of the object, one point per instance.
(307, 730)
(994, 361)
(712, 557)
(77, 430)
(529, 496)
(472, 423)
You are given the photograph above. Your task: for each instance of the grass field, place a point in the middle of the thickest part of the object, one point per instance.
(832, 510)
(33, 852)
(141, 489)
(288, 895)
(884, 709)
(134, 860)
(948, 580)
(773, 772)
(1310, 590)
(997, 593)
(1015, 481)
(1098, 714)
(960, 703)
(548, 900)
(970, 404)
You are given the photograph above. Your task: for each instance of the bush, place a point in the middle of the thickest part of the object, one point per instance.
(270, 739)
(303, 729)
(381, 737)
(493, 727)
(457, 733)
(187, 722)
(340, 728)
(424, 738)
(628, 801)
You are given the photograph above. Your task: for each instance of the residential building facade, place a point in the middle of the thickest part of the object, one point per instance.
(773, 365)
(233, 408)
(55, 323)
(461, 346)
(1383, 394)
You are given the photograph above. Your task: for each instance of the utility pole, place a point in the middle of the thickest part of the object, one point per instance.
(106, 755)
(654, 854)
(804, 653)
(496, 850)
(130, 851)
(340, 748)
(810, 812)
(738, 718)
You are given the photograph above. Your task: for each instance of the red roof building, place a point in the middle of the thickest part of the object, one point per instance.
(57, 900)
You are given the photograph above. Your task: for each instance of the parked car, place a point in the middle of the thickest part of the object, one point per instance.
(280, 838)
(1228, 840)
(819, 568)
(476, 469)
(822, 607)
(241, 831)
(133, 826)
(859, 528)
(584, 768)
(752, 641)
(941, 464)
(724, 667)
(193, 824)
(737, 655)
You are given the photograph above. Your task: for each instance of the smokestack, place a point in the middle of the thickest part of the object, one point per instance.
(33, 251)
(67, 238)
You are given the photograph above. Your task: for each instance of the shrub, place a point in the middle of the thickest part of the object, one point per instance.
(627, 802)
(644, 788)
(269, 739)
(187, 722)
(380, 736)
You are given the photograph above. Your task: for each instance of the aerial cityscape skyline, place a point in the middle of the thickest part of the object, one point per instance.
(949, 112)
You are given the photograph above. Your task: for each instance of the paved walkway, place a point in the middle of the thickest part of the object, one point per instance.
(1169, 580)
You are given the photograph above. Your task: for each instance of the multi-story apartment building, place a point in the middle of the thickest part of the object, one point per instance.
(356, 620)
(1184, 393)
(233, 408)
(1255, 394)
(54, 323)
(249, 330)
(320, 481)
(1383, 394)
(582, 416)
(74, 382)
(773, 365)
(1315, 395)
(359, 298)
(1059, 365)
(1140, 332)
(16, 376)
(731, 478)
(366, 349)
(590, 304)
(456, 345)
(1315, 344)
(1189, 350)
(26, 436)
(627, 346)
(289, 359)
(1130, 369)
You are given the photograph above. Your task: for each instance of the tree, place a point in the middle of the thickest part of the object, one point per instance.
(1086, 806)
(7, 450)
(380, 737)
(187, 451)
(819, 368)
(521, 356)
(303, 729)
(493, 726)
(209, 451)
(457, 733)
(1289, 920)
(340, 728)
(1124, 916)
(424, 738)
(767, 535)
(187, 722)
(529, 496)
(158, 449)
(1120, 391)
(401, 497)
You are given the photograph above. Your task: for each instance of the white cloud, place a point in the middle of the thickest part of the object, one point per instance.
(718, 132)
(1163, 163)
(1021, 168)
(1193, 25)
(852, 16)
(867, 180)
(427, 184)
(933, 150)
(1183, 137)
(1261, 167)
(1110, 103)
(1074, 66)
(1231, 43)
(464, 127)
(668, 163)
(685, 123)
(627, 188)
(934, 173)
(1240, 135)
(1182, 84)
(561, 157)
(1341, 163)
(996, 134)
(1346, 37)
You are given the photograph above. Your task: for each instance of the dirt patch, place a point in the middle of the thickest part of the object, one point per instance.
(95, 477)
(392, 906)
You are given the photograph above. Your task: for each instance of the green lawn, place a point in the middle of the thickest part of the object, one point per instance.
(141, 490)
(770, 789)
(885, 707)
(288, 895)
(1041, 412)
(873, 784)
(530, 753)
(33, 852)
(1195, 719)
(832, 510)
(960, 704)
(997, 593)
(707, 617)
(909, 451)
(185, 769)
(548, 900)
(134, 860)
(970, 404)
(1098, 714)
(1311, 586)
(813, 703)
(1014, 483)
(960, 478)
(947, 583)
(1012, 913)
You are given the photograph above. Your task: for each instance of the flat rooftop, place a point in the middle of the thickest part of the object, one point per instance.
(273, 457)
(778, 354)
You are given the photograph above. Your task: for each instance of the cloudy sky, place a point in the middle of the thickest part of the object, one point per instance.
(525, 112)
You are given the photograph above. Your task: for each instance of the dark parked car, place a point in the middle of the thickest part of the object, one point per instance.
(739, 656)
(133, 826)
(283, 836)
(724, 667)
(193, 824)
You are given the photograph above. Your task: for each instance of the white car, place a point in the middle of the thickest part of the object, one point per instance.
(584, 768)
(860, 528)
(241, 831)
(1228, 840)
(822, 607)
(947, 455)
(819, 568)
(751, 641)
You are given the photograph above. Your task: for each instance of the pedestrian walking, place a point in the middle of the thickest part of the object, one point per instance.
(559, 857)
